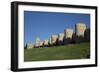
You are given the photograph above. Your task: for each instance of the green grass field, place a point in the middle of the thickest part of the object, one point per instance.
(65, 52)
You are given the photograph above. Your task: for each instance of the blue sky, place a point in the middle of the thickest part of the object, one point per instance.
(44, 24)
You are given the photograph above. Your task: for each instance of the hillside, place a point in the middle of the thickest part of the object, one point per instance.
(72, 51)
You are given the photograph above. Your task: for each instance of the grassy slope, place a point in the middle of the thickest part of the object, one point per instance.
(73, 51)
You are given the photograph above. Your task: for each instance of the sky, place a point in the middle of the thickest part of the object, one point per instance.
(45, 24)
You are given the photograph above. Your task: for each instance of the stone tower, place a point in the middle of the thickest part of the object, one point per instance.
(54, 39)
(60, 38)
(46, 42)
(80, 31)
(29, 46)
(37, 42)
(41, 43)
(68, 33)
